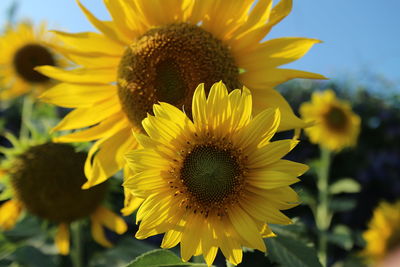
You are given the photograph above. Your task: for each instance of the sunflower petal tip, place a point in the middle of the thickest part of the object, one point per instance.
(87, 185)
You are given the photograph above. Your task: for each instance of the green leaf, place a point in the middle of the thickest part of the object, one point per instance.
(306, 197)
(342, 237)
(121, 254)
(31, 256)
(287, 251)
(161, 258)
(345, 185)
(342, 204)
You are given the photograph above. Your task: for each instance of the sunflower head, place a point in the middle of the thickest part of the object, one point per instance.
(383, 234)
(47, 179)
(335, 125)
(215, 181)
(25, 47)
(167, 63)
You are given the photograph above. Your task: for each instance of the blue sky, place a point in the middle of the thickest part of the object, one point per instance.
(358, 35)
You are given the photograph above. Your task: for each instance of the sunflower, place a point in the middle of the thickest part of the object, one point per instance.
(336, 125)
(23, 48)
(214, 182)
(161, 50)
(383, 234)
(46, 181)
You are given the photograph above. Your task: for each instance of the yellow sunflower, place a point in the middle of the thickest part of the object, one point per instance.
(23, 48)
(46, 181)
(161, 50)
(336, 125)
(214, 182)
(383, 234)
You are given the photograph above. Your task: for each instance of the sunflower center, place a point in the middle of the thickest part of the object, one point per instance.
(167, 64)
(48, 178)
(336, 118)
(210, 174)
(30, 56)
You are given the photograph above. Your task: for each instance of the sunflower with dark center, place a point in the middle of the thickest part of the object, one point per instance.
(161, 50)
(23, 48)
(46, 181)
(336, 125)
(383, 234)
(214, 182)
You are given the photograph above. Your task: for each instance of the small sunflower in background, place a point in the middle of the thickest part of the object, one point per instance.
(45, 180)
(335, 125)
(383, 234)
(214, 182)
(24, 47)
(155, 51)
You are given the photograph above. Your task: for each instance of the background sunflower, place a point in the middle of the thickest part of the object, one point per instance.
(45, 180)
(24, 47)
(335, 125)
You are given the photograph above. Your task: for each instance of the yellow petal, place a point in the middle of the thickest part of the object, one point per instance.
(131, 203)
(260, 130)
(191, 236)
(256, 206)
(107, 28)
(171, 239)
(271, 153)
(110, 220)
(9, 214)
(246, 228)
(198, 106)
(62, 239)
(98, 233)
(241, 103)
(280, 11)
(106, 157)
(266, 98)
(228, 243)
(77, 95)
(91, 42)
(270, 179)
(104, 129)
(209, 243)
(84, 117)
(276, 52)
(273, 77)
(289, 167)
(80, 75)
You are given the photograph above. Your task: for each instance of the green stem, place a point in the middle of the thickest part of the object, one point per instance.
(27, 108)
(228, 264)
(323, 216)
(77, 252)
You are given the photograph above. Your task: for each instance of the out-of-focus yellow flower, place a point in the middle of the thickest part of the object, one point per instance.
(46, 181)
(335, 125)
(161, 50)
(24, 47)
(383, 234)
(215, 182)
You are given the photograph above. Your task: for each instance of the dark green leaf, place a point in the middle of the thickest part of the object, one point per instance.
(161, 258)
(124, 252)
(342, 237)
(30, 256)
(342, 204)
(287, 251)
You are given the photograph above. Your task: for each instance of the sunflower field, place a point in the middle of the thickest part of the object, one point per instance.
(177, 133)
